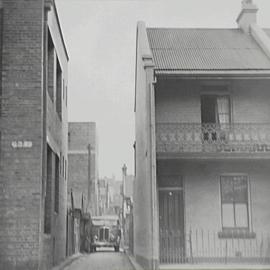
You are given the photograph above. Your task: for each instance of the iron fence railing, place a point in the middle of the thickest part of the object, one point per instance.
(202, 246)
(212, 138)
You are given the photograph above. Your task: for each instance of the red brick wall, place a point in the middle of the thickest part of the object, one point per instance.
(55, 242)
(21, 121)
(80, 136)
(23, 244)
(78, 178)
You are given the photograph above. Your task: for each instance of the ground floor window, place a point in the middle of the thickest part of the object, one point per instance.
(234, 202)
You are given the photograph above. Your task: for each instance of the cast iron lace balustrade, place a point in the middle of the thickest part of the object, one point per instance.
(212, 138)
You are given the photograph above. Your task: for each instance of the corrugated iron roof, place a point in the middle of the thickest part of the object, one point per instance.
(205, 49)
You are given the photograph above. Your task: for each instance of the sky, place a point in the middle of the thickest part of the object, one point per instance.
(100, 37)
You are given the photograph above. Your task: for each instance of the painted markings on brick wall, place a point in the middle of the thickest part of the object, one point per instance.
(21, 144)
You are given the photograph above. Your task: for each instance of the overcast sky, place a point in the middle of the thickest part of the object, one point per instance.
(100, 37)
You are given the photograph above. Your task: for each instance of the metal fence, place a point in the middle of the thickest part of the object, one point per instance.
(201, 246)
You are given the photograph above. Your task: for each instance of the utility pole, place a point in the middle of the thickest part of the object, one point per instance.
(89, 202)
(124, 174)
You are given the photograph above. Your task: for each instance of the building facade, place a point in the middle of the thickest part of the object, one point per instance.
(127, 209)
(103, 196)
(83, 166)
(202, 145)
(33, 125)
(110, 196)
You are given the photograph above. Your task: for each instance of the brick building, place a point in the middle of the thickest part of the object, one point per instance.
(33, 126)
(127, 208)
(115, 193)
(103, 196)
(203, 146)
(83, 166)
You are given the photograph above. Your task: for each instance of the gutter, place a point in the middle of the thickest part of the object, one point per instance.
(225, 73)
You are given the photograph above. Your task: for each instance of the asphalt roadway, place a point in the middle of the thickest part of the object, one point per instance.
(103, 259)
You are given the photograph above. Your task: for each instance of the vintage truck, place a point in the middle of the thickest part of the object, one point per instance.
(106, 232)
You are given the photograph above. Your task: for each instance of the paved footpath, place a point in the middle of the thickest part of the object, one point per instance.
(101, 260)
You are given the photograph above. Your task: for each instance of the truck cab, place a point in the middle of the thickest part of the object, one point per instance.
(106, 232)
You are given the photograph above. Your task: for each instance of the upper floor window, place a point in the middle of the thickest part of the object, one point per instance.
(50, 68)
(59, 89)
(215, 109)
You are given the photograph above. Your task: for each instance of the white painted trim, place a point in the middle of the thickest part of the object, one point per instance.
(229, 73)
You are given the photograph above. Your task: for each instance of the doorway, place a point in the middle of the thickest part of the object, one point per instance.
(171, 220)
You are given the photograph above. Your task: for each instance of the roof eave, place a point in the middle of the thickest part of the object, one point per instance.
(60, 30)
(215, 73)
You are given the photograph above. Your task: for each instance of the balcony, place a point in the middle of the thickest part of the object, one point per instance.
(196, 139)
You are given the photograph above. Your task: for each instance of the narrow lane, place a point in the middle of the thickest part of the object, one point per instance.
(105, 259)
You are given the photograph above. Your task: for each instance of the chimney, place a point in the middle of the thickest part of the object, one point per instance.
(124, 175)
(247, 16)
(124, 170)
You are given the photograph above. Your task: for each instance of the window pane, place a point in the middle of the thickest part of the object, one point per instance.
(223, 119)
(227, 215)
(241, 215)
(223, 105)
(227, 195)
(223, 109)
(240, 189)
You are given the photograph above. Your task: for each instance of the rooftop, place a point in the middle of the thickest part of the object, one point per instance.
(206, 49)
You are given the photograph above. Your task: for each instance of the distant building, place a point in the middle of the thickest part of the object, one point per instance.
(33, 129)
(83, 167)
(128, 183)
(127, 208)
(78, 227)
(203, 146)
(114, 189)
(103, 196)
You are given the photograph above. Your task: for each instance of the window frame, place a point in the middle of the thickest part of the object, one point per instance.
(217, 114)
(51, 67)
(237, 232)
(217, 89)
(57, 184)
(59, 88)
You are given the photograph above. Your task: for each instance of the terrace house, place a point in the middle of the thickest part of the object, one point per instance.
(202, 150)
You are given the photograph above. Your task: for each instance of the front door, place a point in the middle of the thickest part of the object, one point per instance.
(171, 220)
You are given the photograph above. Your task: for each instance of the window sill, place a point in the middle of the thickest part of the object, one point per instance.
(236, 233)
